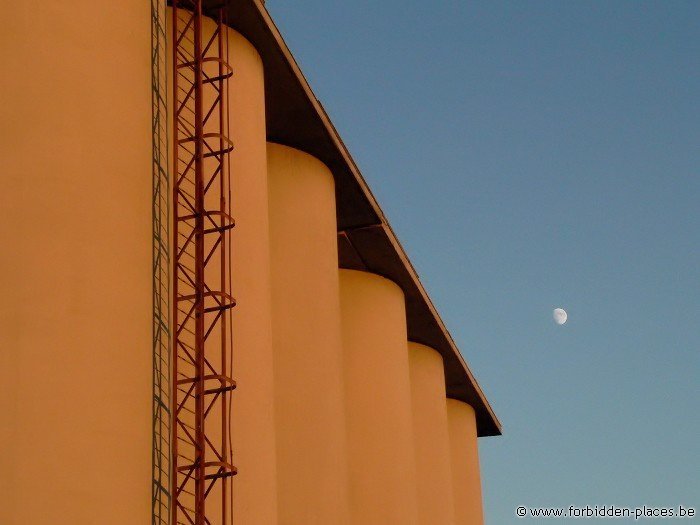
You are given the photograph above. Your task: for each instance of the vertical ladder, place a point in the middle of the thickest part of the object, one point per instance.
(202, 366)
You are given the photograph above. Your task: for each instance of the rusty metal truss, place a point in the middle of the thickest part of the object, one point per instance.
(202, 373)
(160, 494)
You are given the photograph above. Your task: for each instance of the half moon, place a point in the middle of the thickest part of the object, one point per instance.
(560, 316)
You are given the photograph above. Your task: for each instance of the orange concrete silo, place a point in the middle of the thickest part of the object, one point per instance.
(378, 401)
(308, 356)
(333, 417)
(466, 479)
(75, 319)
(253, 429)
(431, 435)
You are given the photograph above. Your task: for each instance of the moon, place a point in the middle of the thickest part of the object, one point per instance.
(560, 316)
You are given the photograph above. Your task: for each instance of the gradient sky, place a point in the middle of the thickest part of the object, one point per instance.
(531, 155)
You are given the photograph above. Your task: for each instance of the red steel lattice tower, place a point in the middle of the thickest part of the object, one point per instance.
(202, 463)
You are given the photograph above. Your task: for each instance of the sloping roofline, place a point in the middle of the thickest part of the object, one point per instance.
(366, 241)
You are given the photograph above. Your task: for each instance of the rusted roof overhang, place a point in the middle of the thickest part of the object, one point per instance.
(296, 118)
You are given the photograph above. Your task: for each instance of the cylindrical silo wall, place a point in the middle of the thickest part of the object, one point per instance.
(75, 267)
(252, 425)
(310, 422)
(432, 441)
(378, 401)
(466, 479)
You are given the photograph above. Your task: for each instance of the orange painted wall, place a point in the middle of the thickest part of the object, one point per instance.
(431, 435)
(466, 479)
(378, 401)
(75, 320)
(75, 263)
(253, 411)
(311, 454)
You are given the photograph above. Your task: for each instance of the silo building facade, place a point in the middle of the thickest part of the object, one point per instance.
(206, 317)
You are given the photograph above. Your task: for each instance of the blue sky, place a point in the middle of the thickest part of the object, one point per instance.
(531, 155)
